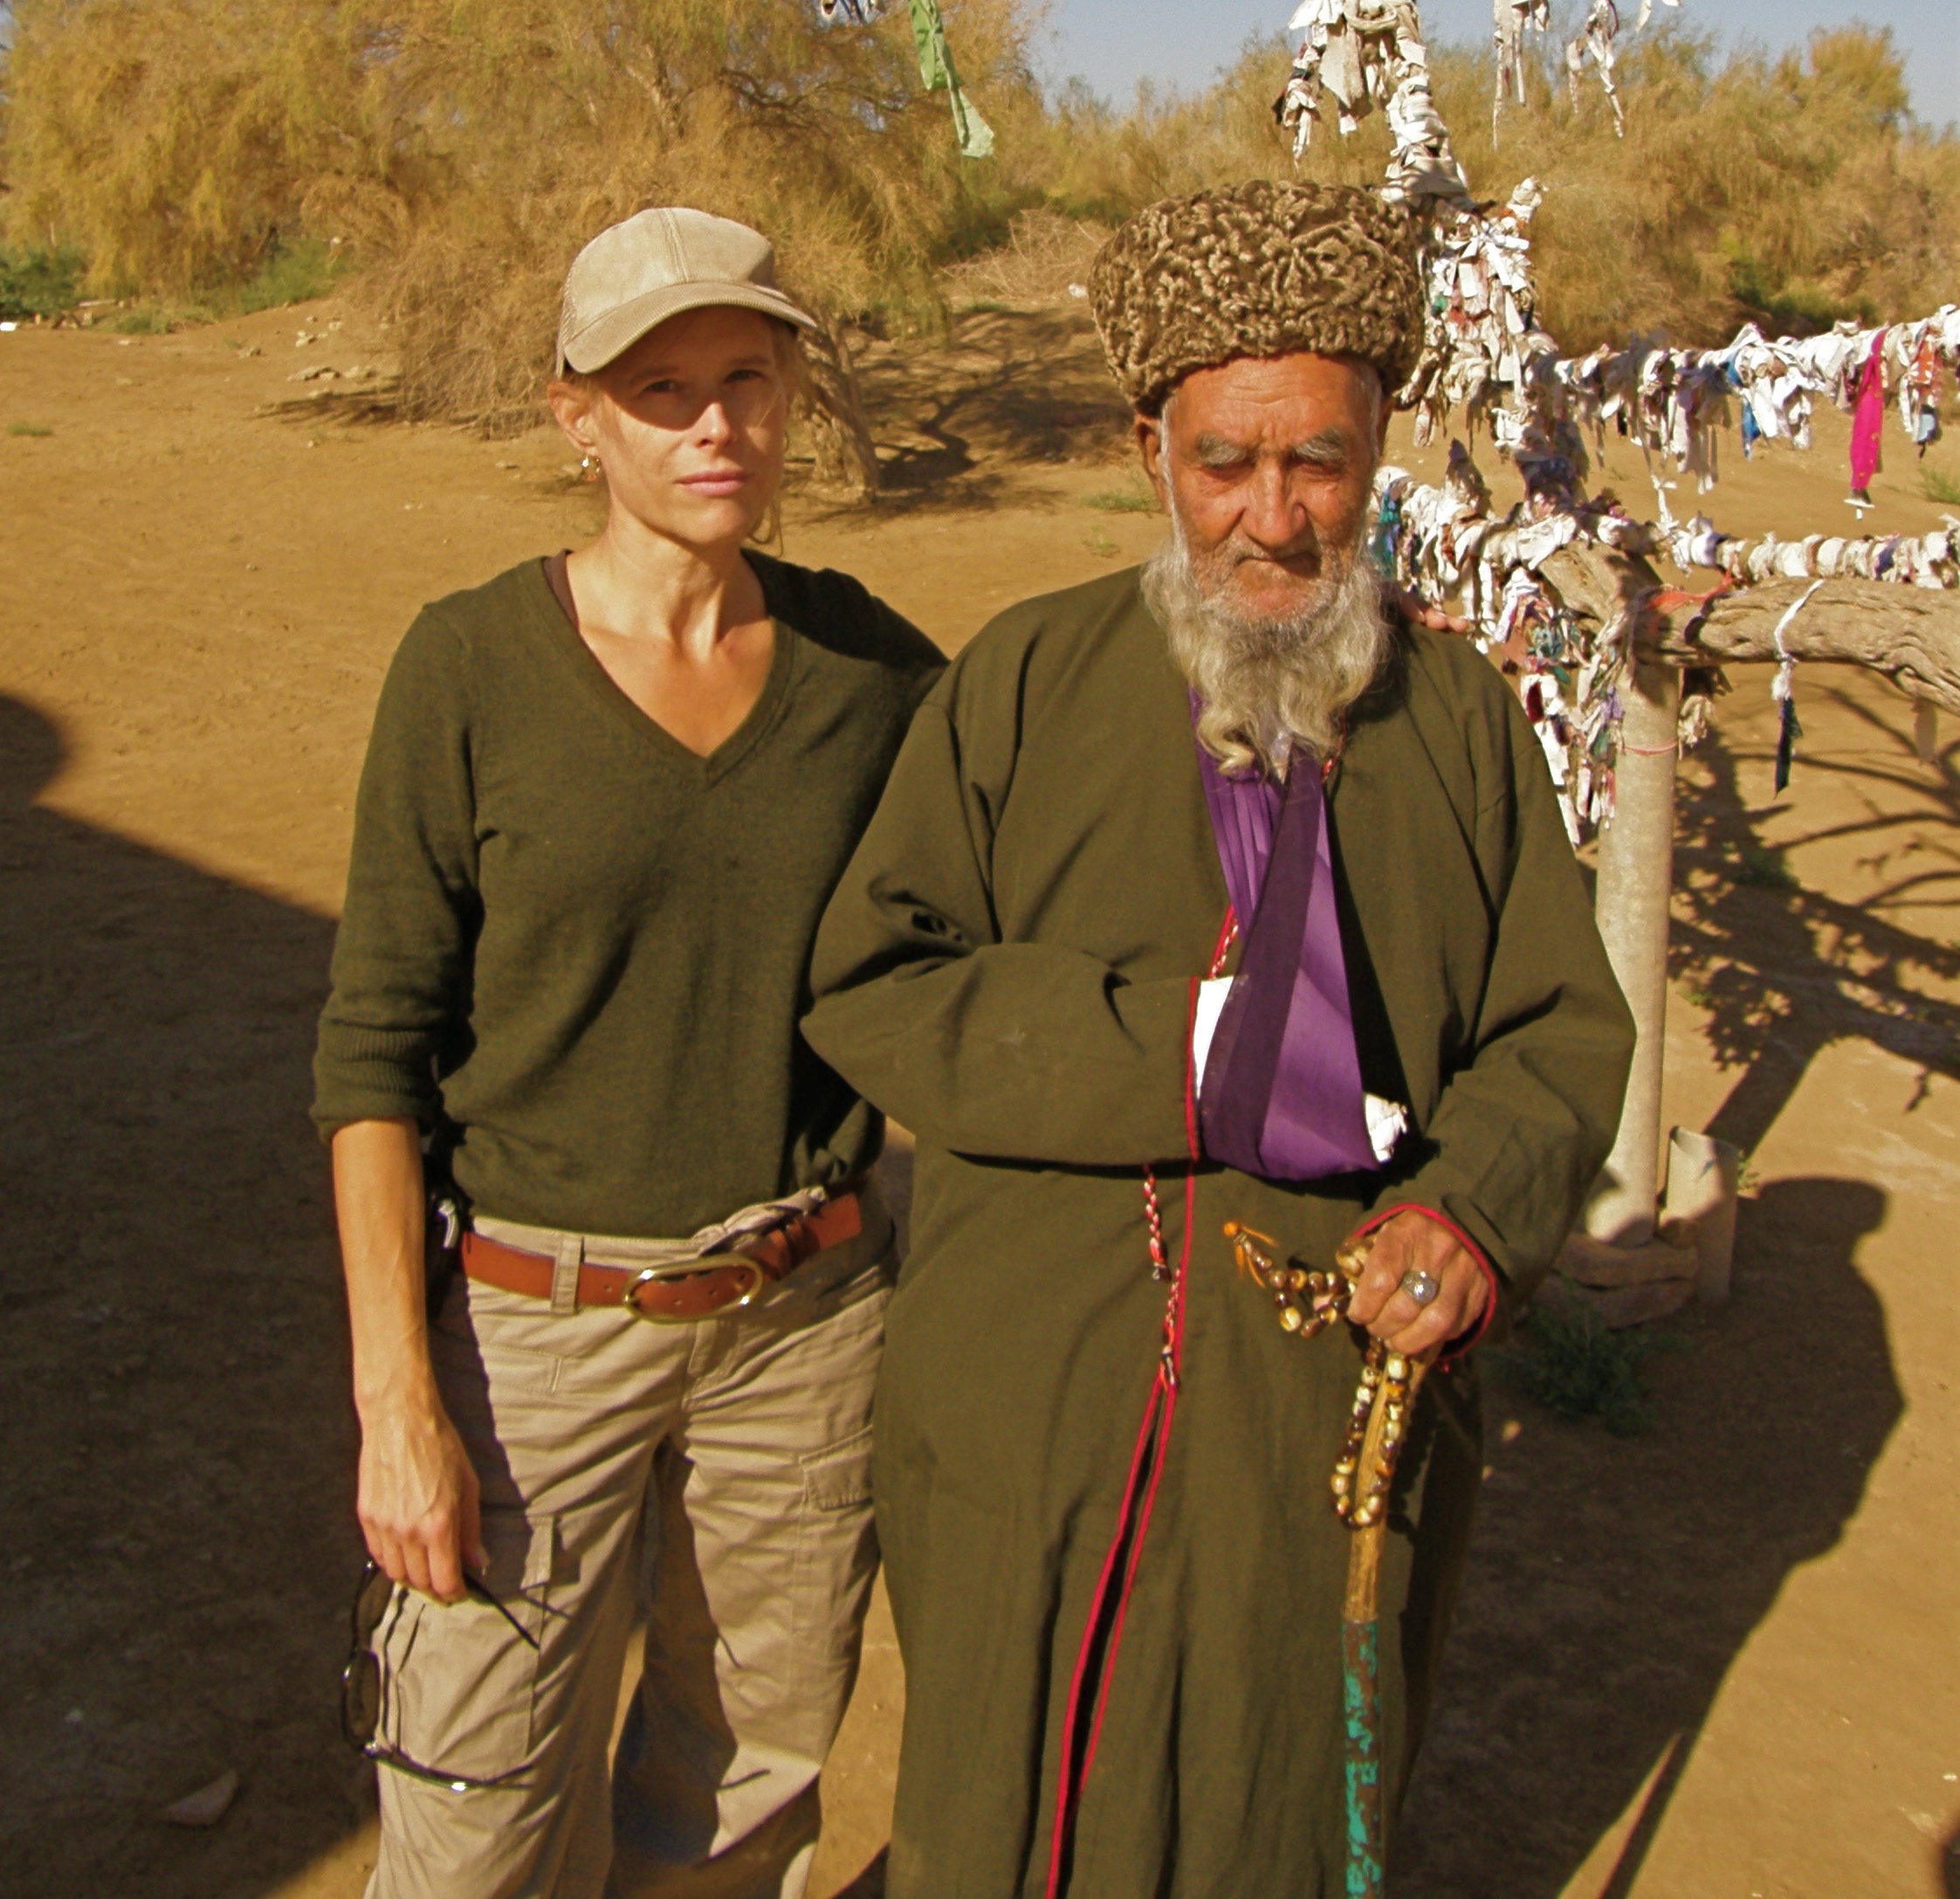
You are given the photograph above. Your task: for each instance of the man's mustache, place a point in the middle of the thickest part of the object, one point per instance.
(1229, 555)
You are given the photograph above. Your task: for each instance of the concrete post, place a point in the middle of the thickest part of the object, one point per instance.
(1636, 875)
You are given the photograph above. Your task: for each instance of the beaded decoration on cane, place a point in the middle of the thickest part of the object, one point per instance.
(1306, 1301)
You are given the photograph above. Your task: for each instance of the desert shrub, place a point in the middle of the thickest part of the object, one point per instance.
(294, 271)
(818, 136)
(466, 148)
(288, 273)
(175, 142)
(192, 149)
(36, 281)
(1794, 189)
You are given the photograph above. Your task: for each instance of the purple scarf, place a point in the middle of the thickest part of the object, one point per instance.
(1283, 1095)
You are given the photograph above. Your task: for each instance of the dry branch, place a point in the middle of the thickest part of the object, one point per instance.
(1910, 633)
(832, 410)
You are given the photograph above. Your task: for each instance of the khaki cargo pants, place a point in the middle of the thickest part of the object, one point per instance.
(726, 1465)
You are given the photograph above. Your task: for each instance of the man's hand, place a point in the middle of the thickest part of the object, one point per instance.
(1418, 612)
(1403, 1243)
(417, 1500)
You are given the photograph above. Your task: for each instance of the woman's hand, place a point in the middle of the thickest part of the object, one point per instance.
(417, 1496)
(1409, 1243)
(417, 1499)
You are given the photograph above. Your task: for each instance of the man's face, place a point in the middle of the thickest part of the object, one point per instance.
(1266, 461)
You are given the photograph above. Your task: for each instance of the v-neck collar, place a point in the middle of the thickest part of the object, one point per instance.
(710, 766)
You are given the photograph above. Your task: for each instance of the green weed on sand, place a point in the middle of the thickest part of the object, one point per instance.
(1120, 501)
(1765, 870)
(1571, 1363)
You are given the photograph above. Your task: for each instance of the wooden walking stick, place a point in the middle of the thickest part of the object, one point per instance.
(1377, 1427)
(1391, 1399)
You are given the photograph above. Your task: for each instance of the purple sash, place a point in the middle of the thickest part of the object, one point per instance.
(1281, 1095)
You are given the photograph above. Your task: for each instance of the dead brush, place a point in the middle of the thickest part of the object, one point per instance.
(1044, 254)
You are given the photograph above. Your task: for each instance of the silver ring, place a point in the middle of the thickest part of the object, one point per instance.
(1420, 1286)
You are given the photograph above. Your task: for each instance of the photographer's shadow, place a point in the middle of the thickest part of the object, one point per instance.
(1611, 1582)
(177, 1513)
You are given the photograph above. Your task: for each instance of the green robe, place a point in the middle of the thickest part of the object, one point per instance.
(1006, 967)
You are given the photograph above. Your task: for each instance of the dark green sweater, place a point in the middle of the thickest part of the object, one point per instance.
(579, 949)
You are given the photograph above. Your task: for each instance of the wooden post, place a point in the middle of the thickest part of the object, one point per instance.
(1636, 875)
(1912, 635)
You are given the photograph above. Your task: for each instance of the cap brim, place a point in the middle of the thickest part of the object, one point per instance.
(598, 343)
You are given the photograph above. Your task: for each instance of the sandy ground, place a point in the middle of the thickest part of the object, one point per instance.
(1712, 1662)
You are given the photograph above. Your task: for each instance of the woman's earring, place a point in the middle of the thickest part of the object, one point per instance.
(588, 468)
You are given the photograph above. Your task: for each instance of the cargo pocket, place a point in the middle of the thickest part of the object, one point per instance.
(459, 1683)
(836, 1557)
(839, 1476)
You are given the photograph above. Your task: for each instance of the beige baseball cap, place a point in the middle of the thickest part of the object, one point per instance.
(635, 275)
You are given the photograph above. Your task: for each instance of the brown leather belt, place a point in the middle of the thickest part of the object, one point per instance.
(676, 1294)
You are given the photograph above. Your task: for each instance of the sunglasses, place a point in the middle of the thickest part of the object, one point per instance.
(360, 1682)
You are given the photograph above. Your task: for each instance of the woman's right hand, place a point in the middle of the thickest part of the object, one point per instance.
(417, 1499)
(418, 1495)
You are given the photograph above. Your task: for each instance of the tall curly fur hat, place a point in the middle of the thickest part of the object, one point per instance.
(1257, 270)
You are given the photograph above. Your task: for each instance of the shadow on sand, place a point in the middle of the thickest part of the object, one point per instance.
(1610, 1583)
(1008, 392)
(1783, 971)
(176, 1519)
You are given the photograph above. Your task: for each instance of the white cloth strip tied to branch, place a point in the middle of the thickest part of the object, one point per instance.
(1480, 330)
(1508, 20)
(1782, 690)
(1594, 42)
(1484, 353)
(1448, 542)
(1482, 350)
(1671, 401)
(1362, 54)
(1930, 559)
(1671, 404)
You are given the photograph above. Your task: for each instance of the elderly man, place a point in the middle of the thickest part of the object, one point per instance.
(1201, 893)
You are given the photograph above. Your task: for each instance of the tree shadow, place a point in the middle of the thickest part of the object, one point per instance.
(176, 1521)
(1010, 389)
(1783, 971)
(1610, 1583)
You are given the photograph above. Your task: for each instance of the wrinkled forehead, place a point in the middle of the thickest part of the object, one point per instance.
(1280, 400)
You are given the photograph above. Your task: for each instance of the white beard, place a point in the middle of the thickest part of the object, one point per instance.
(1269, 684)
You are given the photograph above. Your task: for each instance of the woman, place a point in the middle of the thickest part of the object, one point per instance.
(604, 801)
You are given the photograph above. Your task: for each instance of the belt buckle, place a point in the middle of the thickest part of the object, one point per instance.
(707, 1263)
